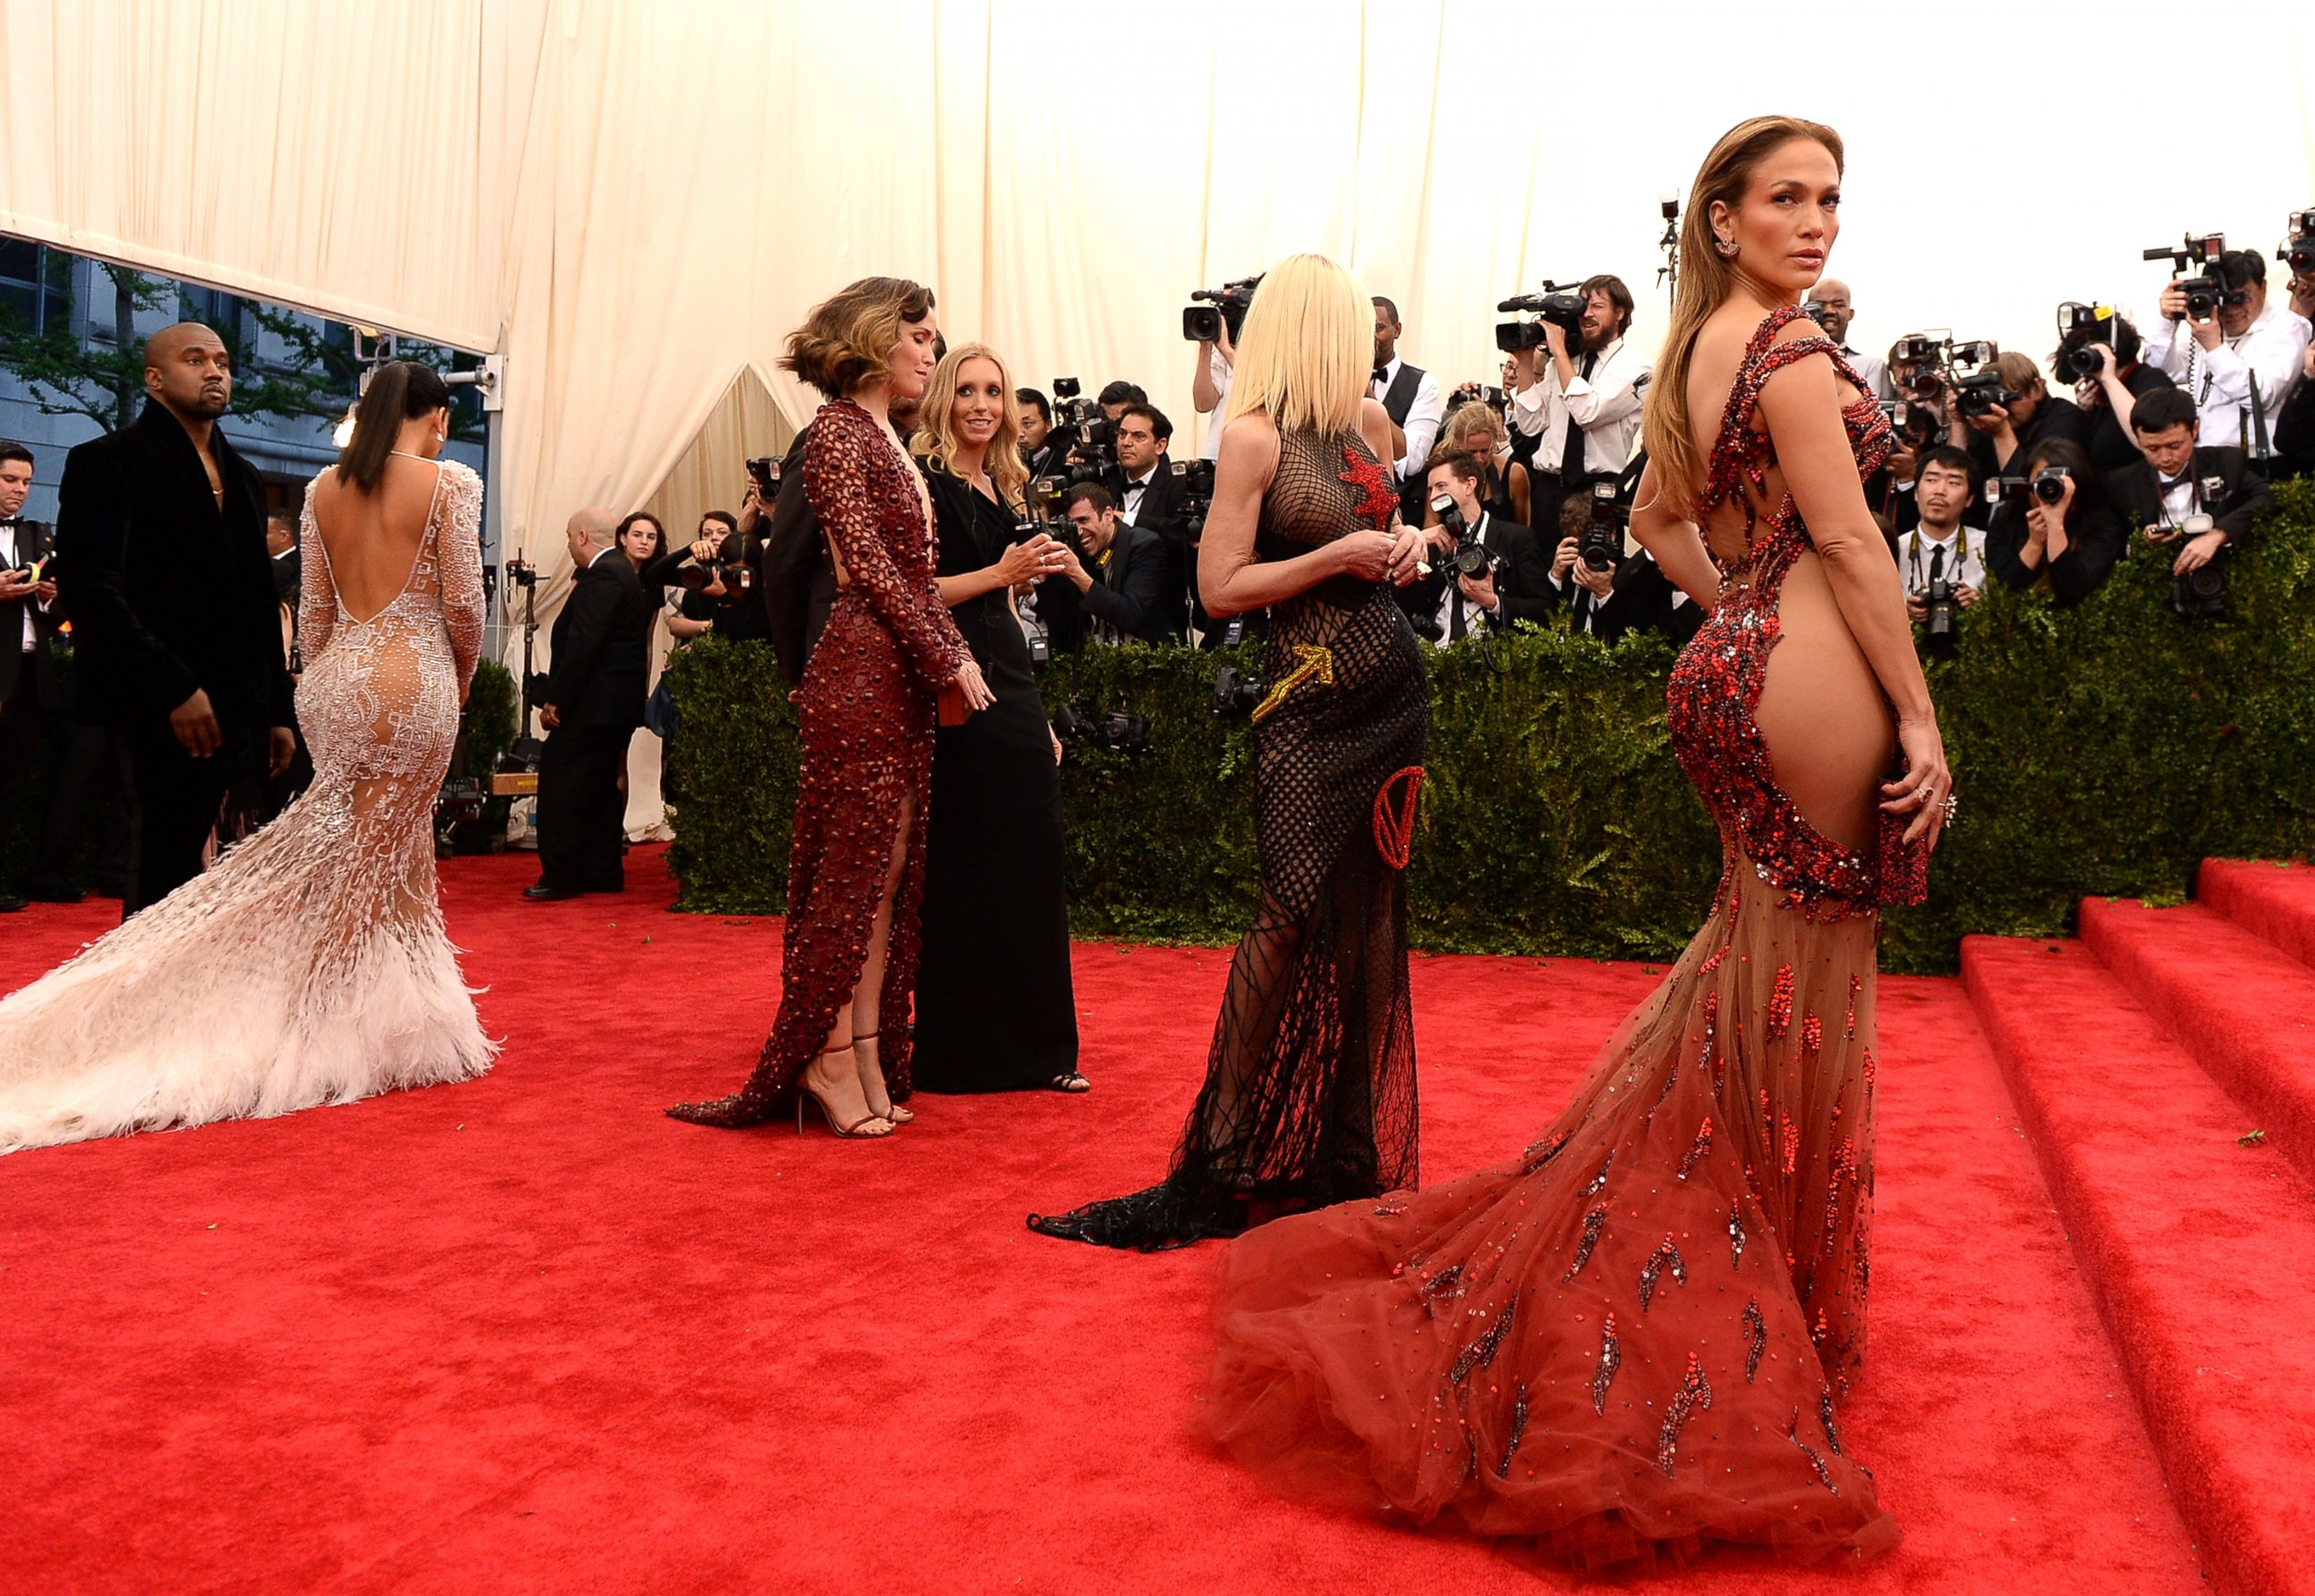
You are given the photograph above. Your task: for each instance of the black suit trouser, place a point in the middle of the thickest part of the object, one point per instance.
(93, 778)
(20, 742)
(179, 799)
(581, 812)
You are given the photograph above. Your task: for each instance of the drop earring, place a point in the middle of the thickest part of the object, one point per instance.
(1726, 246)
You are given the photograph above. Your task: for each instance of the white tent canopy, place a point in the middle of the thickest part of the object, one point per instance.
(635, 201)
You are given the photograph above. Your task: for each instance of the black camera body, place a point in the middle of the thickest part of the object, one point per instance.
(2196, 260)
(2050, 484)
(1941, 624)
(1916, 424)
(1119, 732)
(1555, 306)
(764, 472)
(1600, 544)
(1236, 692)
(1083, 432)
(1982, 394)
(1211, 310)
(520, 573)
(738, 580)
(1196, 478)
(2298, 246)
(1470, 557)
(2082, 328)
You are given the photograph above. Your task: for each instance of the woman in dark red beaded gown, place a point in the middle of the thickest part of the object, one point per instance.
(1629, 1342)
(866, 717)
(1309, 1088)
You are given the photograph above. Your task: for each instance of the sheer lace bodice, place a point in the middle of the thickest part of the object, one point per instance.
(311, 965)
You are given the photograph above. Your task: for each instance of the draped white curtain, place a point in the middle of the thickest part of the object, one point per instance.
(636, 200)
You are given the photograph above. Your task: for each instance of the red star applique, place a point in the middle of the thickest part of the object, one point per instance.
(1375, 502)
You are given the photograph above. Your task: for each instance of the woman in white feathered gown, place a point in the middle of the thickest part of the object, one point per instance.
(311, 965)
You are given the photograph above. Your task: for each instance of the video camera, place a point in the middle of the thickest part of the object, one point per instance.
(1196, 478)
(2197, 262)
(2080, 329)
(1226, 306)
(1556, 305)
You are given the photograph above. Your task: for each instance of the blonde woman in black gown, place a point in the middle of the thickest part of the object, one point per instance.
(996, 1010)
(1310, 1091)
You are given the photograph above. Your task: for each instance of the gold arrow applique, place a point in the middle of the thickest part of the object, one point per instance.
(1315, 660)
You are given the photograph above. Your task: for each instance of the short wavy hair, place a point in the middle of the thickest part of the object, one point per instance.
(848, 340)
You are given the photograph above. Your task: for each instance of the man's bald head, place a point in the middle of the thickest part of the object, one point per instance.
(1833, 295)
(189, 371)
(589, 531)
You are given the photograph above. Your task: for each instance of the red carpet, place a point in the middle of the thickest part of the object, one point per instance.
(527, 1333)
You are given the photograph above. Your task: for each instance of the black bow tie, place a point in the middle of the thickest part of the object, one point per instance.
(2178, 480)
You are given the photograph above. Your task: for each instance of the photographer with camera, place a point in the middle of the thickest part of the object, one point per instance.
(2294, 421)
(1480, 565)
(2055, 524)
(2099, 352)
(1580, 399)
(2009, 410)
(1043, 453)
(1128, 591)
(2236, 356)
(1477, 429)
(2199, 497)
(1213, 326)
(1939, 555)
(1606, 592)
(718, 573)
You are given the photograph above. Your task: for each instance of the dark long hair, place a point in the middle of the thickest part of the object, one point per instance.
(402, 391)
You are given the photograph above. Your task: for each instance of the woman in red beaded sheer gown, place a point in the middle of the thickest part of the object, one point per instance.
(1628, 1343)
(865, 717)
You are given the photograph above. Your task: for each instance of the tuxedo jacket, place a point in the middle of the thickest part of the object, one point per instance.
(167, 593)
(35, 540)
(2232, 492)
(599, 675)
(1129, 593)
(793, 569)
(1643, 597)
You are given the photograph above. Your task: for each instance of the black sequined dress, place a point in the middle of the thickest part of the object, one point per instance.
(1310, 1091)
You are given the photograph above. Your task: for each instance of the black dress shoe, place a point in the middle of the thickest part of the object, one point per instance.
(11, 904)
(540, 892)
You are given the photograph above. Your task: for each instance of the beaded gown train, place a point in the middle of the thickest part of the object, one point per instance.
(311, 965)
(866, 718)
(1310, 1091)
(1629, 1342)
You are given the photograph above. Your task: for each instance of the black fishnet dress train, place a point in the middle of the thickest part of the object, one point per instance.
(1309, 1092)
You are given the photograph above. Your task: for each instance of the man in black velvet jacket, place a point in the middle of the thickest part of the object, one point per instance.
(597, 680)
(163, 570)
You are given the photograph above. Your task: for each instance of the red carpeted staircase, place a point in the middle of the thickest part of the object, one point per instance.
(2164, 1066)
(527, 1333)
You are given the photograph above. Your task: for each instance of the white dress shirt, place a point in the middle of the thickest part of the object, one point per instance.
(1135, 490)
(1872, 370)
(1606, 404)
(1218, 372)
(1422, 417)
(8, 562)
(2219, 381)
(1958, 558)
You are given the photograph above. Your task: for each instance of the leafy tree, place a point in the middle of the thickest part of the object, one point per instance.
(285, 363)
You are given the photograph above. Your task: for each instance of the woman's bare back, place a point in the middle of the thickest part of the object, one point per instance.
(372, 540)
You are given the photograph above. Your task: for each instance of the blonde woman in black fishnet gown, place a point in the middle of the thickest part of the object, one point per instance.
(1310, 1091)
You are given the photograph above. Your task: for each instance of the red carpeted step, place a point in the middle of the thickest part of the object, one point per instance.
(2276, 901)
(2195, 1245)
(2243, 1009)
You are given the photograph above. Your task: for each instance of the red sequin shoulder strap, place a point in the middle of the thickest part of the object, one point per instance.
(1740, 453)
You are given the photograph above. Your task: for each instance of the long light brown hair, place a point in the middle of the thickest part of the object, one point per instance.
(1705, 281)
(936, 438)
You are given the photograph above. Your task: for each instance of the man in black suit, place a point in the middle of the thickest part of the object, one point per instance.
(597, 678)
(162, 569)
(27, 595)
(1631, 593)
(2178, 479)
(1448, 606)
(1127, 592)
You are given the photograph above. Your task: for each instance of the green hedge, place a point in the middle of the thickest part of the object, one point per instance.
(2104, 749)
